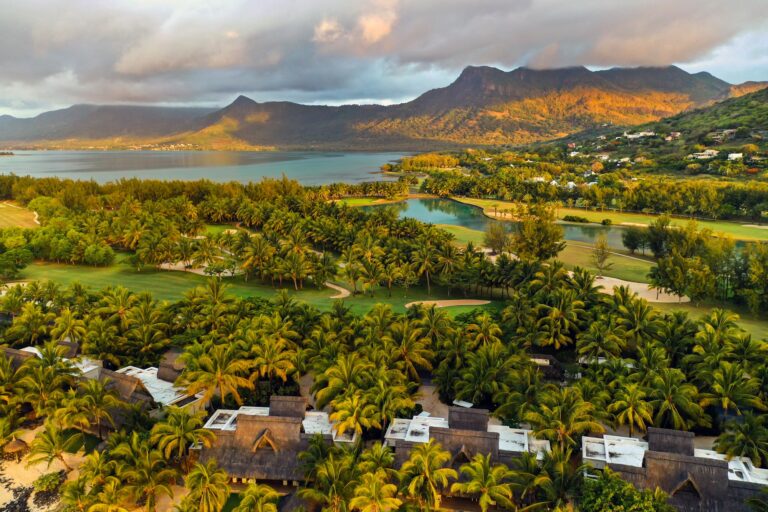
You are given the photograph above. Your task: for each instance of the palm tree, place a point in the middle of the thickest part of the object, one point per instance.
(30, 326)
(51, 444)
(208, 487)
(377, 458)
(424, 259)
(389, 397)
(484, 330)
(219, 371)
(559, 479)
(435, 324)
(489, 484)
(111, 498)
(563, 416)
(559, 321)
(178, 431)
(340, 378)
(409, 346)
(600, 340)
(116, 302)
(631, 408)
(485, 375)
(145, 473)
(75, 495)
(333, 486)
(97, 399)
(68, 327)
(354, 413)
(675, 401)
(258, 498)
(375, 494)
(424, 475)
(273, 360)
(747, 438)
(43, 388)
(731, 389)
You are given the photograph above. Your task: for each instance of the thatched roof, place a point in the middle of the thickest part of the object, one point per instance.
(264, 447)
(130, 389)
(15, 446)
(17, 357)
(171, 365)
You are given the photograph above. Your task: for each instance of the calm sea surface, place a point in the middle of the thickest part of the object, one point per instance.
(309, 168)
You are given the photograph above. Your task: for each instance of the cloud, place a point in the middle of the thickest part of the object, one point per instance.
(56, 52)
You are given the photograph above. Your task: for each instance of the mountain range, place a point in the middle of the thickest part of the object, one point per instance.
(483, 106)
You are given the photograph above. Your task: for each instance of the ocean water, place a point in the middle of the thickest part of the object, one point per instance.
(307, 167)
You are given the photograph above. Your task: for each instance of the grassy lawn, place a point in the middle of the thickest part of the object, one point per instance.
(12, 216)
(217, 229)
(368, 201)
(464, 235)
(757, 327)
(739, 231)
(575, 254)
(624, 267)
(171, 285)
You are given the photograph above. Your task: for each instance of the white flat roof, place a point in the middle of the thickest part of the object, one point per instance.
(630, 452)
(417, 428)
(627, 451)
(519, 440)
(739, 468)
(226, 419)
(163, 392)
(315, 422)
(82, 364)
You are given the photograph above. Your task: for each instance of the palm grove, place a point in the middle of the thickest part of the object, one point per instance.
(641, 367)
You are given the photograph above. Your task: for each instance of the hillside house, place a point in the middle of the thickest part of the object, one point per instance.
(707, 154)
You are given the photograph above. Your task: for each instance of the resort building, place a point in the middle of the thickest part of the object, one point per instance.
(263, 443)
(696, 480)
(163, 392)
(464, 434)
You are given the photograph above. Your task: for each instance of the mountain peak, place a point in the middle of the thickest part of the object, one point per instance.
(242, 101)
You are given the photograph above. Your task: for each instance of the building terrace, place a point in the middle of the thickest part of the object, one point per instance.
(464, 434)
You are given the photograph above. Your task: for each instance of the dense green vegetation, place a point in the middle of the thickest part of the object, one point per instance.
(248, 308)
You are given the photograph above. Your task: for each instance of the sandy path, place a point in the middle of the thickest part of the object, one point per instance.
(343, 292)
(449, 303)
(180, 267)
(643, 290)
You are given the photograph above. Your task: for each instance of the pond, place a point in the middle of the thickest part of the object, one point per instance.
(446, 211)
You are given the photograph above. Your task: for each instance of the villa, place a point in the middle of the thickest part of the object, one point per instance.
(163, 392)
(464, 434)
(263, 443)
(696, 480)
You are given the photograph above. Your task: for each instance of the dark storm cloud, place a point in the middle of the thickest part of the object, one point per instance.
(177, 51)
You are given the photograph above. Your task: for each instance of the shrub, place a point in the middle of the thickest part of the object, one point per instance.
(606, 222)
(610, 493)
(575, 218)
(48, 482)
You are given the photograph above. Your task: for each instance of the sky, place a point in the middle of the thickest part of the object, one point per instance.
(54, 53)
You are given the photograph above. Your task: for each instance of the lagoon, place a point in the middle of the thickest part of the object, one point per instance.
(446, 211)
(306, 167)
